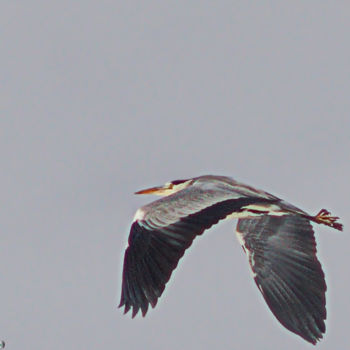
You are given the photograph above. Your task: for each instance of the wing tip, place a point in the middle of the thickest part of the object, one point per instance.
(135, 309)
(312, 338)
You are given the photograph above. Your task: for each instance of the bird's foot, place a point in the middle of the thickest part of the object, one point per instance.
(324, 217)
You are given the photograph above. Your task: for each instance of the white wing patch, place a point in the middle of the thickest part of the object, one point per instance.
(249, 253)
(139, 215)
(252, 210)
(263, 209)
(240, 239)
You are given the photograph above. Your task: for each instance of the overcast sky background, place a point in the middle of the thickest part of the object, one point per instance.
(103, 98)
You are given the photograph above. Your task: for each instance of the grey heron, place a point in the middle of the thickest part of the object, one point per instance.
(276, 236)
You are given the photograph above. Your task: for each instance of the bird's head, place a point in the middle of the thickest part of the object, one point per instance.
(167, 189)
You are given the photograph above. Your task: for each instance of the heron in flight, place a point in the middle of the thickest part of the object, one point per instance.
(276, 236)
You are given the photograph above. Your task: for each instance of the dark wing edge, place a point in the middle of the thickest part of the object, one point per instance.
(153, 253)
(282, 254)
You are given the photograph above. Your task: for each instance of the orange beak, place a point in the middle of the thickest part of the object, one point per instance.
(152, 190)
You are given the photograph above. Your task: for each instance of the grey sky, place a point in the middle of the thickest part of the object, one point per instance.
(100, 99)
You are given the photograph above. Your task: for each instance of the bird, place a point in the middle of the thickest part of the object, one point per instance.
(276, 237)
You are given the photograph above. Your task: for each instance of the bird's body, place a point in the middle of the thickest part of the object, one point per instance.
(276, 236)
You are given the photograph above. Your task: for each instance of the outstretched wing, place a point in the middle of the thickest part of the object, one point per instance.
(159, 236)
(282, 255)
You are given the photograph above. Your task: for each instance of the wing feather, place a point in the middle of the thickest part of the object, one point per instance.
(282, 255)
(155, 250)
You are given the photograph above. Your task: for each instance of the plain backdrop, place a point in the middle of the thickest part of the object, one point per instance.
(102, 98)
